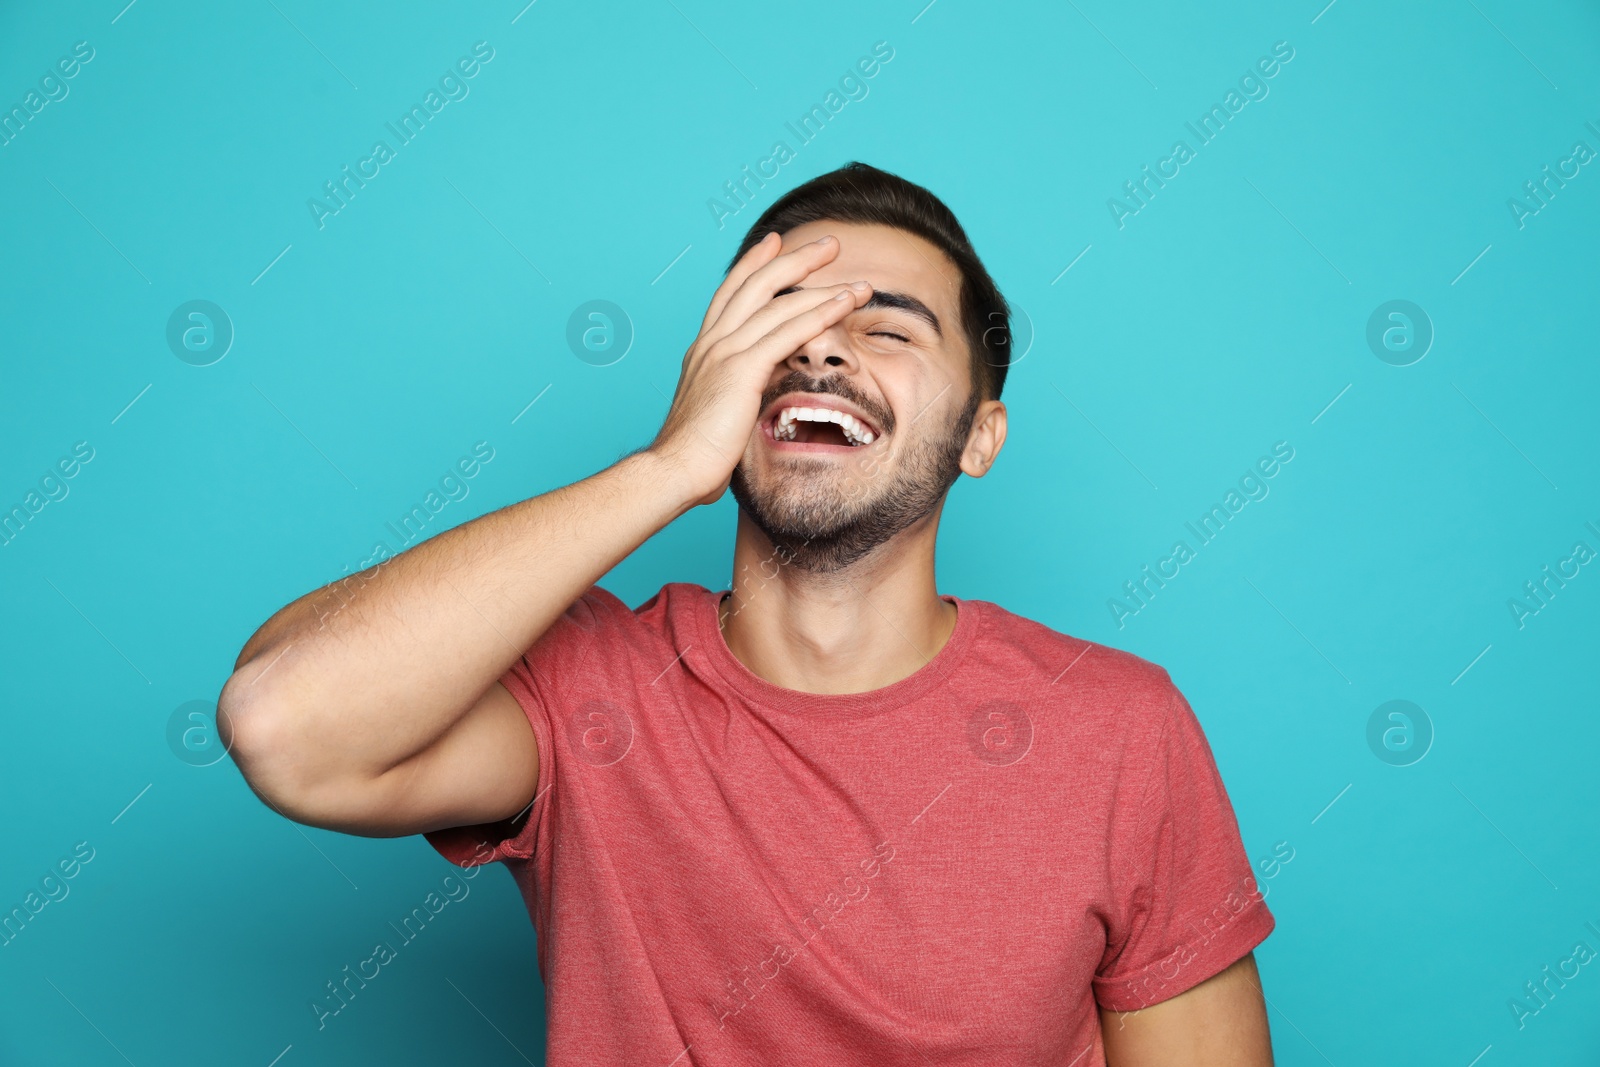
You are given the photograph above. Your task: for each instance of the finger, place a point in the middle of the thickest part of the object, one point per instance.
(783, 272)
(778, 309)
(781, 309)
(782, 340)
(756, 256)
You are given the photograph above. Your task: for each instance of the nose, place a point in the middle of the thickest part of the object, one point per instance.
(827, 351)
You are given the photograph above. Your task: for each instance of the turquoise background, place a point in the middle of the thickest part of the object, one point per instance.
(1228, 314)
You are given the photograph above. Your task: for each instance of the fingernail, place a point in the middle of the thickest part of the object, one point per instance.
(824, 240)
(842, 296)
(860, 287)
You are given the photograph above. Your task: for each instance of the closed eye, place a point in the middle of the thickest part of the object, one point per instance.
(885, 333)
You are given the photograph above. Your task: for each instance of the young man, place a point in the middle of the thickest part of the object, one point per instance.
(826, 816)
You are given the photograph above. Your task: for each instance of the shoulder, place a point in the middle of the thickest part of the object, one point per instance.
(1038, 650)
(599, 609)
(1125, 692)
(599, 628)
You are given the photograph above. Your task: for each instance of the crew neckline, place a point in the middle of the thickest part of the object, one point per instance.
(873, 702)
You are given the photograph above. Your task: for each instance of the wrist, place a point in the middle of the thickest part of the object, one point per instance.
(664, 477)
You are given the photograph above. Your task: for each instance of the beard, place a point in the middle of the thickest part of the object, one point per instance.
(822, 522)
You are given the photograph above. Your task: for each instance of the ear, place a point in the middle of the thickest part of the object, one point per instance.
(984, 441)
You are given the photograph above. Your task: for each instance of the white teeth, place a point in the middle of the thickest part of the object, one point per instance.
(854, 430)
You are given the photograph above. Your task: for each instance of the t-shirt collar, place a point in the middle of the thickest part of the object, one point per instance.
(704, 608)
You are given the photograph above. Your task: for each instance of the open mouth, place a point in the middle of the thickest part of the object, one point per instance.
(825, 427)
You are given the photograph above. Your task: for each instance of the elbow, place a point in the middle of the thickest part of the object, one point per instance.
(279, 743)
(263, 733)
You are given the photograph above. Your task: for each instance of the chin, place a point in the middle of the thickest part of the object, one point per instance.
(792, 510)
(817, 529)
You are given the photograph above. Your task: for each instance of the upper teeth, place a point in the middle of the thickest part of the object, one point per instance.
(854, 431)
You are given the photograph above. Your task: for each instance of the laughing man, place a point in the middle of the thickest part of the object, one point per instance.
(827, 815)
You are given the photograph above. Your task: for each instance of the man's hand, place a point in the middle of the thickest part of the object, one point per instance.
(385, 717)
(747, 331)
(1222, 1022)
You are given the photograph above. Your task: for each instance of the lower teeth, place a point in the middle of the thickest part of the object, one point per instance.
(789, 434)
(791, 437)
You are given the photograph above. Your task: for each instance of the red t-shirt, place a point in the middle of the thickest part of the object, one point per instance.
(957, 868)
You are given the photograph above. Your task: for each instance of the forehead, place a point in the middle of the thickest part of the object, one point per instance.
(888, 258)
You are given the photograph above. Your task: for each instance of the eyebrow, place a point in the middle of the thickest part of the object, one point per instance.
(890, 298)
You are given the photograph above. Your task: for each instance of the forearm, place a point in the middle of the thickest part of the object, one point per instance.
(360, 675)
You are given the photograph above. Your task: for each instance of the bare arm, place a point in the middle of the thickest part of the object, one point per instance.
(373, 705)
(1222, 1022)
(332, 700)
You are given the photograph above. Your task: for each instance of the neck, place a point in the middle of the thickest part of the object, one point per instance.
(860, 628)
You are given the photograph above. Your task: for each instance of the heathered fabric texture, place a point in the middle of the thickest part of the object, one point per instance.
(954, 869)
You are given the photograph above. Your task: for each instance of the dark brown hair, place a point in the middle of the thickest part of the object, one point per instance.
(860, 193)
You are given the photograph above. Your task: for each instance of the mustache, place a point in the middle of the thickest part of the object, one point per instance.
(797, 381)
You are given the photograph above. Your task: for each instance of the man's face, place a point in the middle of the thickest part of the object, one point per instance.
(900, 367)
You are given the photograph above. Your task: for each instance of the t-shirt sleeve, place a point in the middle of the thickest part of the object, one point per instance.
(533, 680)
(1187, 903)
